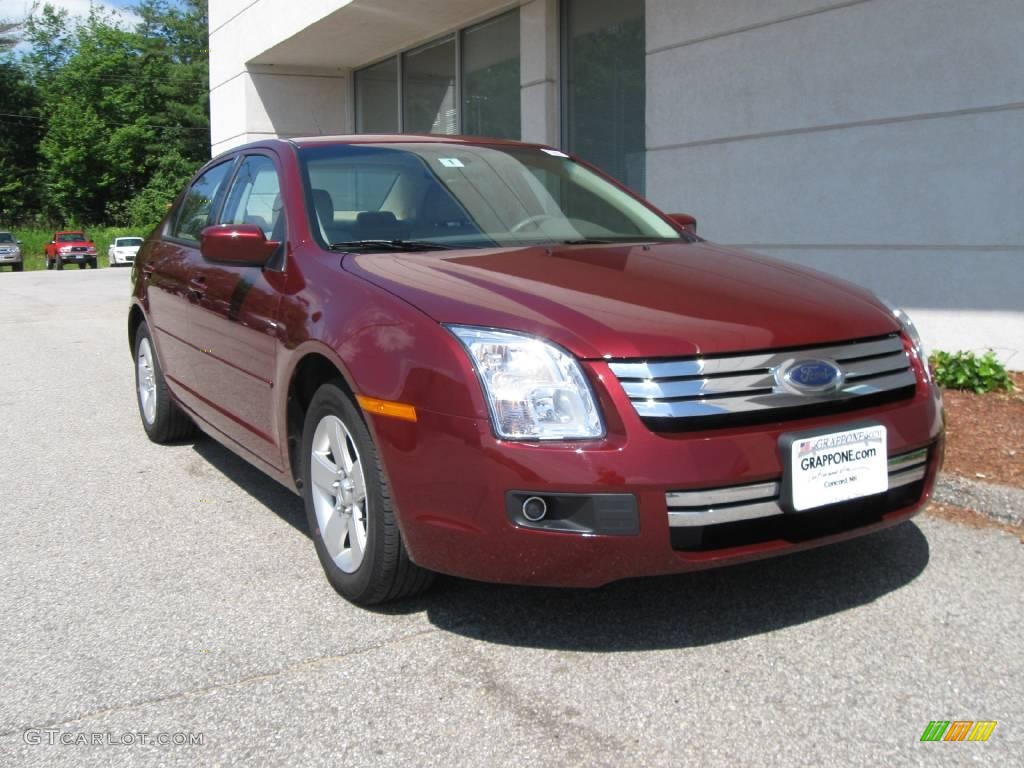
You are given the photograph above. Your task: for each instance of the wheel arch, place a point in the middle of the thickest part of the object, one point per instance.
(136, 317)
(313, 369)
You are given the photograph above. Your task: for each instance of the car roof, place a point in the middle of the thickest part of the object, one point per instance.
(400, 138)
(376, 138)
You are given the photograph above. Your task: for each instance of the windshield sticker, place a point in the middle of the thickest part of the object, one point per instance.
(553, 152)
(451, 162)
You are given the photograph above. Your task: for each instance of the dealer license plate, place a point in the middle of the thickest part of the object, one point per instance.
(835, 466)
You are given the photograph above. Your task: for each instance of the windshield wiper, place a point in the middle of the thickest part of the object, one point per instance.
(389, 245)
(589, 241)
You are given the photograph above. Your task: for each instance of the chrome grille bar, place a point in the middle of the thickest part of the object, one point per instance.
(746, 502)
(738, 384)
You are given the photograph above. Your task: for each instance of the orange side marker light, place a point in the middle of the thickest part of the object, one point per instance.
(387, 408)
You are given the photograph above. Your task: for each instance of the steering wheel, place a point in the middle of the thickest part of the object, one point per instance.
(534, 220)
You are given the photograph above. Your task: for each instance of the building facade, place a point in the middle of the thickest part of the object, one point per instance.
(880, 140)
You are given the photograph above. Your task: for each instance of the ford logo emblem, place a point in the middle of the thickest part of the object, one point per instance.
(811, 377)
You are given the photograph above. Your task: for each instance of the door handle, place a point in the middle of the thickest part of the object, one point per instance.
(197, 286)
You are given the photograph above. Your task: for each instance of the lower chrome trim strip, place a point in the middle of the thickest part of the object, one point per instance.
(688, 509)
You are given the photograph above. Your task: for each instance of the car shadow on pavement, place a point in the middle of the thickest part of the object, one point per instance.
(694, 609)
(262, 488)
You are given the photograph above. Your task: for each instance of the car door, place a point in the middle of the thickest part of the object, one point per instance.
(234, 318)
(168, 270)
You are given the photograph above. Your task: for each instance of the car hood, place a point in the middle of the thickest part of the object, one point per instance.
(660, 300)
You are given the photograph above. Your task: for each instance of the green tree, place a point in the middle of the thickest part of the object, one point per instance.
(19, 136)
(8, 35)
(125, 112)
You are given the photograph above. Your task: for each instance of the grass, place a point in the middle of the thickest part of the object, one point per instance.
(33, 242)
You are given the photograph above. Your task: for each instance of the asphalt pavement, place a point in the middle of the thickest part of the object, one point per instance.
(149, 592)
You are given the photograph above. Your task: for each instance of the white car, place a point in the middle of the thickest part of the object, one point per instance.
(123, 250)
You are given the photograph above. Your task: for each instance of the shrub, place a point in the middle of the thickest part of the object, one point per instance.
(965, 370)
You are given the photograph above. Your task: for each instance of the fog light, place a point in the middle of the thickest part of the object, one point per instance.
(534, 509)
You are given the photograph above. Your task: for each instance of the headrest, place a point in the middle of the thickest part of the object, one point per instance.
(324, 206)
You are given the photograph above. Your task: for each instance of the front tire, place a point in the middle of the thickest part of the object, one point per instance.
(18, 267)
(349, 508)
(162, 418)
(60, 263)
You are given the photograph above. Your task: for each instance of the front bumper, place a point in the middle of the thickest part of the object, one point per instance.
(452, 479)
(10, 258)
(75, 258)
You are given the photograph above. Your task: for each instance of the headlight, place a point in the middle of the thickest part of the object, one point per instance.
(911, 330)
(65, 249)
(535, 391)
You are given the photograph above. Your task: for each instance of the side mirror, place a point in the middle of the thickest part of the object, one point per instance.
(53, 242)
(241, 244)
(18, 242)
(684, 221)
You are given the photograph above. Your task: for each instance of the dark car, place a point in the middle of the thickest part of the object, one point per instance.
(10, 252)
(490, 360)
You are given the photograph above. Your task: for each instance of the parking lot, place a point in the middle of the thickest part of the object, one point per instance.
(153, 590)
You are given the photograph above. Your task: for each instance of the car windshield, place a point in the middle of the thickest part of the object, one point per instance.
(127, 242)
(71, 237)
(388, 196)
(6, 237)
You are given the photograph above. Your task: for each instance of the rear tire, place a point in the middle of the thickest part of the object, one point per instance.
(162, 418)
(349, 501)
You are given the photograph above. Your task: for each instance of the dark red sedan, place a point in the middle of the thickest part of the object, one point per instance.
(488, 359)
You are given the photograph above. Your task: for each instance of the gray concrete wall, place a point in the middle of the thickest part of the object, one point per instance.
(880, 140)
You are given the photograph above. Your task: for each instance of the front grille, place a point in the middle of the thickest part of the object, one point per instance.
(689, 509)
(732, 390)
(797, 528)
(79, 249)
(701, 521)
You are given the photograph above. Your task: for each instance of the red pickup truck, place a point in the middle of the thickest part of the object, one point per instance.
(70, 247)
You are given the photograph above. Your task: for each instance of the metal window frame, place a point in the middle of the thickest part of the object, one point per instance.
(457, 36)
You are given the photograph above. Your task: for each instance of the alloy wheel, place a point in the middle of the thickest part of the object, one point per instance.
(339, 493)
(146, 381)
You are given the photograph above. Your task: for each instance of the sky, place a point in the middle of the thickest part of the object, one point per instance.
(15, 10)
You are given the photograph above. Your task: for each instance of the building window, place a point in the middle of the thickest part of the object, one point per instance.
(465, 83)
(428, 89)
(604, 84)
(377, 98)
(490, 78)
